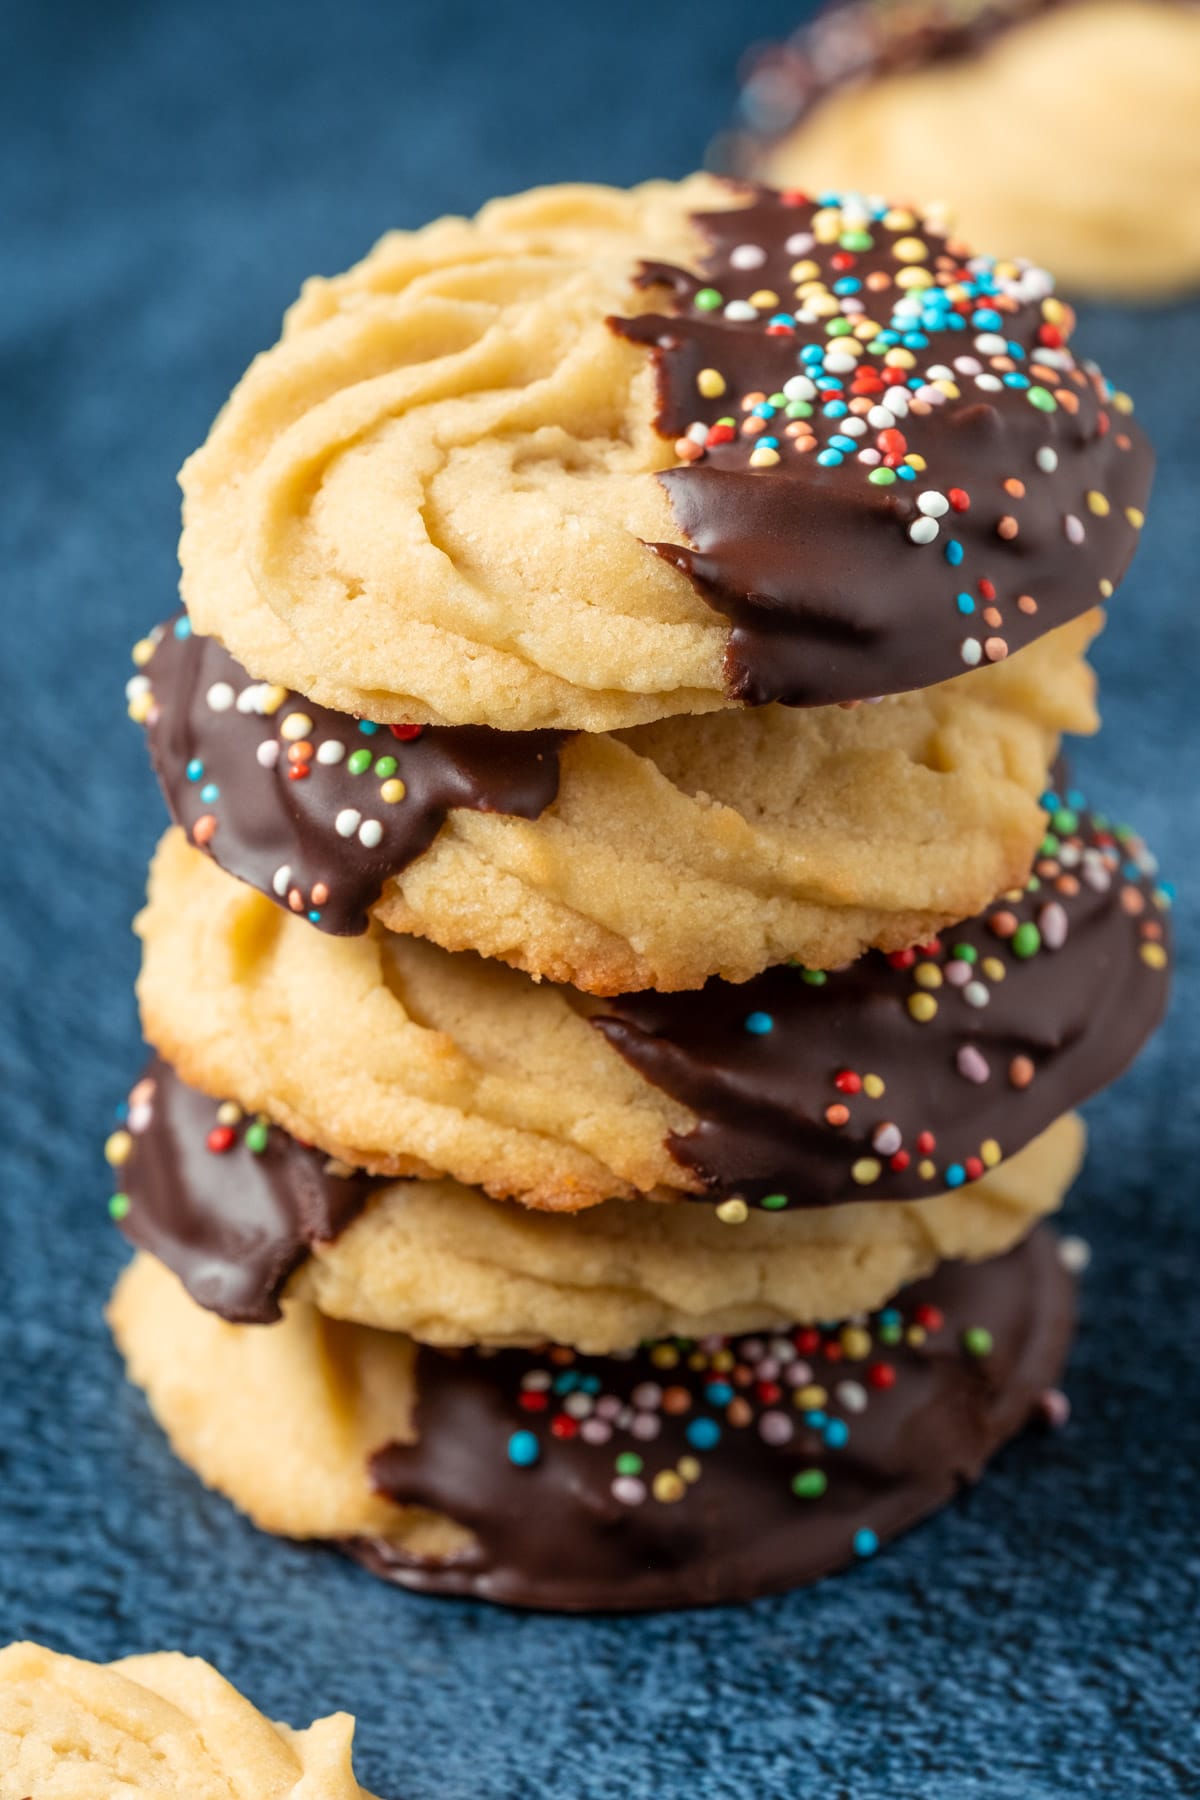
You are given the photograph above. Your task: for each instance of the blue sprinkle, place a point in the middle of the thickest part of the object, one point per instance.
(183, 627)
(865, 1541)
(210, 792)
(123, 1111)
(1076, 799)
(986, 319)
(813, 353)
(703, 1434)
(837, 1434)
(915, 340)
(314, 918)
(1050, 801)
(906, 473)
(886, 338)
(849, 284)
(761, 1022)
(1167, 889)
(829, 384)
(367, 728)
(1016, 351)
(889, 1316)
(782, 319)
(954, 553)
(523, 1449)
(566, 1383)
(829, 459)
(840, 442)
(817, 1420)
(590, 1384)
(764, 410)
(767, 443)
(965, 603)
(195, 769)
(955, 1175)
(718, 1393)
(1014, 380)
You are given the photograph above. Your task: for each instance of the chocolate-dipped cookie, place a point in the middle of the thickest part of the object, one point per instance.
(1045, 126)
(657, 858)
(893, 1078)
(686, 1473)
(596, 458)
(248, 1218)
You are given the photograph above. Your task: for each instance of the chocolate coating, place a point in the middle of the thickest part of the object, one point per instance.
(1020, 1031)
(232, 1222)
(306, 830)
(829, 597)
(881, 1450)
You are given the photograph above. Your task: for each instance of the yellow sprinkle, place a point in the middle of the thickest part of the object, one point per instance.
(143, 650)
(873, 1087)
(668, 1487)
(922, 1007)
(915, 462)
(1153, 955)
(899, 359)
(723, 1359)
(808, 288)
(866, 1170)
(689, 1468)
(1098, 504)
(867, 328)
(140, 707)
(663, 1356)
(914, 278)
(733, 1212)
(826, 231)
(295, 727)
(926, 1169)
(1123, 403)
(855, 1342)
(951, 389)
(915, 1335)
(764, 299)
(697, 1360)
(392, 790)
(811, 1398)
(228, 1113)
(1136, 517)
(711, 383)
(927, 975)
(272, 699)
(764, 457)
(898, 218)
(1106, 589)
(117, 1149)
(1053, 310)
(993, 968)
(822, 306)
(804, 271)
(957, 292)
(989, 1153)
(910, 250)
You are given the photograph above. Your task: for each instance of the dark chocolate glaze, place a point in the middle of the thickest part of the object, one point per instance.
(233, 1223)
(276, 828)
(1077, 1014)
(562, 1534)
(829, 598)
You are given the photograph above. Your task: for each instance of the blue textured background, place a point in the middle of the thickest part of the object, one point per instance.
(178, 170)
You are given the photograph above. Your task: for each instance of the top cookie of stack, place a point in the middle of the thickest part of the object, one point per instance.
(595, 463)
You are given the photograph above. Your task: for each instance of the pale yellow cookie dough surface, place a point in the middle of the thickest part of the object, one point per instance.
(1071, 139)
(448, 1266)
(392, 1054)
(158, 1727)
(721, 845)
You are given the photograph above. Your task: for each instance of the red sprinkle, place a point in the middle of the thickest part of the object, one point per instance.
(929, 1316)
(987, 589)
(974, 1168)
(847, 1082)
(221, 1138)
(926, 1143)
(533, 1401)
(881, 1375)
(406, 733)
(299, 771)
(959, 499)
(899, 1162)
(720, 434)
(562, 1425)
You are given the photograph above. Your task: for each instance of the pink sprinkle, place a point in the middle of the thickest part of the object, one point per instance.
(972, 1065)
(1054, 1408)
(776, 1428)
(1053, 925)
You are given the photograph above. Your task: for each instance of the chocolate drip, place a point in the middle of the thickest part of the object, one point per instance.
(296, 816)
(902, 1075)
(878, 1426)
(232, 1208)
(811, 558)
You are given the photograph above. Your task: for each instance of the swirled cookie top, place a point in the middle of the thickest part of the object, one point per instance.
(599, 457)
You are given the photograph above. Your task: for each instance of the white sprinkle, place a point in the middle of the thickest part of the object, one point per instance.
(536, 1381)
(870, 457)
(852, 1396)
(840, 365)
(972, 1066)
(990, 384)
(647, 1395)
(267, 754)
(741, 312)
(990, 343)
(1074, 1253)
(1073, 528)
(799, 244)
(968, 365)
(629, 1490)
(971, 651)
(136, 686)
(1047, 460)
(852, 427)
(331, 751)
(886, 1138)
(347, 822)
(932, 396)
(138, 1118)
(297, 725)
(976, 993)
(1053, 925)
(370, 833)
(281, 880)
(578, 1405)
(250, 698)
(595, 1431)
(799, 387)
(748, 256)
(933, 504)
(898, 398)
(698, 432)
(881, 418)
(220, 696)
(923, 531)
(941, 372)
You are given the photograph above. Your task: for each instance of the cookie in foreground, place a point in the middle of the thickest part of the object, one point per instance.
(682, 1473)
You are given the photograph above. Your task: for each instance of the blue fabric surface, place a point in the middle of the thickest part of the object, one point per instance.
(179, 169)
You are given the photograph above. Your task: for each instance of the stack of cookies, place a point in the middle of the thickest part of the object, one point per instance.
(627, 952)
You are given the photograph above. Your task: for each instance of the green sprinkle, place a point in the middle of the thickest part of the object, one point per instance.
(118, 1207)
(1065, 821)
(777, 399)
(1043, 399)
(977, 1341)
(809, 1484)
(1026, 940)
(889, 1334)
(774, 1202)
(1049, 845)
(359, 762)
(257, 1137)
(814, 977)
(707, 300)
(838, 328)
(882, 477)
(799, 409)
(385, 766)
(856, 240)
(629, 1463)
(966, 953)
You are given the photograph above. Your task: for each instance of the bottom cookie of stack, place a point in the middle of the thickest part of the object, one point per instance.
(582, 1475)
